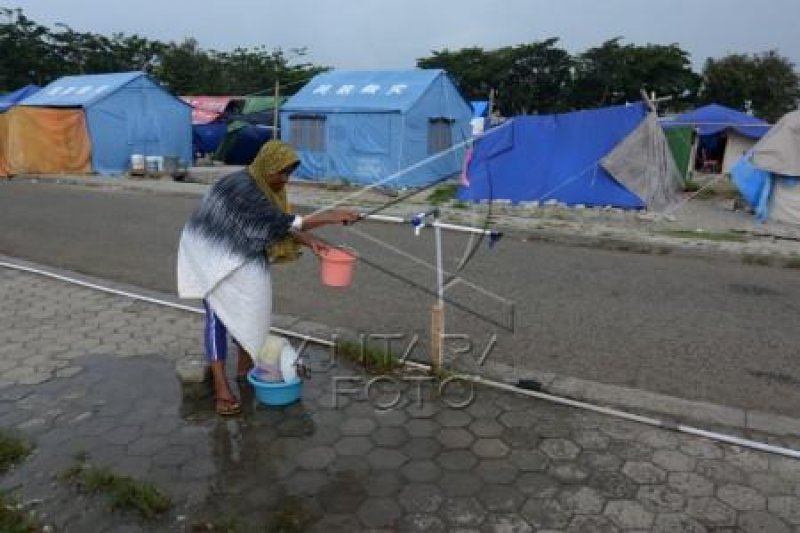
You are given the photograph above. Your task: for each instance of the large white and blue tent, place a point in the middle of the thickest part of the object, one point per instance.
(126, 113)
(367, 126)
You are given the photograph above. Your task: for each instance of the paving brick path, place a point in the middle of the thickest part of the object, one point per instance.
(83, 371)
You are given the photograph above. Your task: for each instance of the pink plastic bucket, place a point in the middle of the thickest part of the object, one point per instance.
(336, 266)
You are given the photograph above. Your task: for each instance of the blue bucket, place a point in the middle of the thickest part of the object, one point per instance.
(280, 393)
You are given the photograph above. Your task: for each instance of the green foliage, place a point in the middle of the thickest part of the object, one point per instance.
(443, 193)
(13, 450)
(124, 492)
(32, 53)
(768, 81)
(14, 519)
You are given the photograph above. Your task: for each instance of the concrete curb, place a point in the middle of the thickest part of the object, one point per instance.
(642, 244)
(671, 408)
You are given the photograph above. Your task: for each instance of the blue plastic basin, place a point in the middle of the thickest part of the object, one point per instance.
(281, 393)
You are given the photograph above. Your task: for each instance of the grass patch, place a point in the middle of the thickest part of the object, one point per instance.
(125, 493)
(292, 518)
(373, 359)
(14, 519)
(443, 193)
(759, 260)
(13, 449)
(458, 204)
(703, 235)
(793, 262)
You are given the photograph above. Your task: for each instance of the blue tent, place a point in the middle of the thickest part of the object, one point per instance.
(616, 156)
(714, 119)
(368, 125)
(13, 98)
(126, 113)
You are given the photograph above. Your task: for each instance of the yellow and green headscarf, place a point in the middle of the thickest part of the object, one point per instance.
(273, 157)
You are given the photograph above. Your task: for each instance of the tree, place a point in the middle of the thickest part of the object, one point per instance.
(537, 78)
(474, 70)
(613, 73)
(768, 81)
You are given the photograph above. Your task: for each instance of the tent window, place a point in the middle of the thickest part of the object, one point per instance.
(308, 132)
(440, 134)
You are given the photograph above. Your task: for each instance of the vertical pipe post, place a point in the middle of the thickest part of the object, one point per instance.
(437, 312)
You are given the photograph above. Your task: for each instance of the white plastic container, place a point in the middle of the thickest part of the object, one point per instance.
(137, 163)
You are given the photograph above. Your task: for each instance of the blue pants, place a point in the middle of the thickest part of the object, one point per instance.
(216, 336)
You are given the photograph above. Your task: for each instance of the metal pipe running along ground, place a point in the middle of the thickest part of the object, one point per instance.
(650, 421)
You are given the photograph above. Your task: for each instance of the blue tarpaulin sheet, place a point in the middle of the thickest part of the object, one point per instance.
(713, 119)
(554, 157)
(13, 98)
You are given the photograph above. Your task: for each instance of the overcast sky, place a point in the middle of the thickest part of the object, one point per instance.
(372, 34)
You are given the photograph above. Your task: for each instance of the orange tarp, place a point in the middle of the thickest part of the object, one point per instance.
(42, 140)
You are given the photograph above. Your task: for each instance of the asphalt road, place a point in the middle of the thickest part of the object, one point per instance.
(699, 329)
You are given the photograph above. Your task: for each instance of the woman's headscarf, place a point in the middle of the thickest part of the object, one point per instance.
(273, 157)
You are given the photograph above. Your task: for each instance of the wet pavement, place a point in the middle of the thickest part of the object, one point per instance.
(86, 372)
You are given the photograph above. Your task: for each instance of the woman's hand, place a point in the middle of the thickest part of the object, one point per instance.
(318, 247)
(332, 216)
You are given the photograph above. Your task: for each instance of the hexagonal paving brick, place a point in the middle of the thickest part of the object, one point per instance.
(305, 482)
(486, 427)
(386, 458)
(383, 483)
(701, 448)
(421, 471)
(493, 471)
(581, 500)
(422, 448)
(490, 448)
(661, 498)
(457, 460)
(358, 426)
(457, 484)
(518, 419)
(748, 460)
(544, 514)
(355, 446)
(390, 437)
(421, 498)
(600, 461)
(629, 514)
(537, 485)
(417, 523)
(316, 458)
(529, 460)
(719, 471)
(677, 523)
(591, 524)
(658, 438)
(568, 472)
(742, 498)
(712, 511)
(691, 484)
(631, 450)
(455, 438)
(422, 428)
(379, 512)
(761, 522)
(501, 498)
(786, 507)
(451, 418)
(591, 439)
(643, 472)
(506, 522)
(673, 461)
(463, 512)
(559, 449)
(341, 496)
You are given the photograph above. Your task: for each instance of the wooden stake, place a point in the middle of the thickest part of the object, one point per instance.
(275, 112)
(437, 324)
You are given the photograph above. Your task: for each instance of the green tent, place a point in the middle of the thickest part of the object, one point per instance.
(681, 144)
(259, 104)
